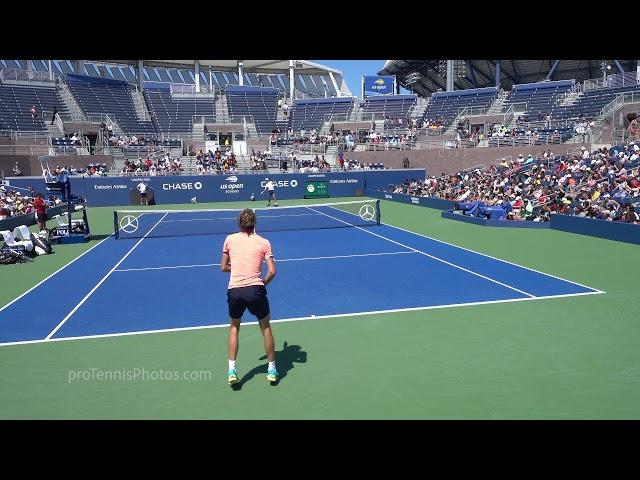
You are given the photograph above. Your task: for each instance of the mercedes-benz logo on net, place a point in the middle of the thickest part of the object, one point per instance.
(129, 224)
(367, 212)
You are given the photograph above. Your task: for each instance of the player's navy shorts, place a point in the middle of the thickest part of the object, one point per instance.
(42, 217)
(253, 297)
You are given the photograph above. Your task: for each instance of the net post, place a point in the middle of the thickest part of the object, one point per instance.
(115, 223)
(378, 211)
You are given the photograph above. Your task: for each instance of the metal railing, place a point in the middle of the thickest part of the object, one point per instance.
(24, 150)
(28, 76)
(187, 89)
(520, 107)
(58, 121)
(335, 117)
(610, 81)
(231, 119)
(623, 98)
(30, 135)
(622, 137)
(471, 110)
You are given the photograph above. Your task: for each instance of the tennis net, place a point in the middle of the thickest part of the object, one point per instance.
(171, 223)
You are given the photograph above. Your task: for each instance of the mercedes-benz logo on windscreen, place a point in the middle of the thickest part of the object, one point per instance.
(367, 212)
(129, 224)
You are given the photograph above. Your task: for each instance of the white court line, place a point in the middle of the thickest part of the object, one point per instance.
(101, 282)
(431, 256)
(277, 261)
(488, 256)
(296, 319)
(54, 273)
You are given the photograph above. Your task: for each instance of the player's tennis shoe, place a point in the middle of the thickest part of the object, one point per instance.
(272, 376)
(232, 377)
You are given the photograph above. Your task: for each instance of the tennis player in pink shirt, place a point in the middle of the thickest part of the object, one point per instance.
(242, 255)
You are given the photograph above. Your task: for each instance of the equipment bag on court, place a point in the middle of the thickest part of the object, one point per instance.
(41, 244)
(9, 256)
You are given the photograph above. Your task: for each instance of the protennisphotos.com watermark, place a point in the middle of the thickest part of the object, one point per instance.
(138, 375)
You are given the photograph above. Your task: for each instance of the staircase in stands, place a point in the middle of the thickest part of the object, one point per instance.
(418, 109)
(496, 107)
(70, 102)
(140, 106)
(222, 112)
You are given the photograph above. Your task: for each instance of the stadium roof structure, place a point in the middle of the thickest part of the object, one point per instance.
(301, 67)
(482, 73)
(250, 66)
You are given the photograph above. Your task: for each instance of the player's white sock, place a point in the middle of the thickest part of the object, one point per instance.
(232, 364)
(272, 365)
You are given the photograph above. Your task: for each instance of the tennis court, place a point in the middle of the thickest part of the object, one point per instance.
(164, 275)
(414, 317)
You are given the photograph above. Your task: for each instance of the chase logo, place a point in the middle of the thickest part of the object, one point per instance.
(388, 196)
(182, 186)
(232, 179)
(380, 81)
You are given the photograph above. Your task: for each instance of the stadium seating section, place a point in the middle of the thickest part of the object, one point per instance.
(257, 102)
(113, 97)
(447, 105)
(174, 115)
(309, 114)
(395, 106)
(16, 102)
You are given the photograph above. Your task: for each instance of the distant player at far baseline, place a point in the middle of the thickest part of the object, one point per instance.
(270, 186)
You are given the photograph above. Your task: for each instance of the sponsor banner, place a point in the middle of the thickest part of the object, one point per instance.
(115, 191)
(378, 85)
(317, 189)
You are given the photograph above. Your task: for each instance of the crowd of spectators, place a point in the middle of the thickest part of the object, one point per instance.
(603, 184)
(93, 169)
(163, 166)
(132, 141)
(434, 126)
(217, 162)
(14, 202)
(312, 166)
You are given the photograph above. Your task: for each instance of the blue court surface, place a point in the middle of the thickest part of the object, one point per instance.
(137, 285)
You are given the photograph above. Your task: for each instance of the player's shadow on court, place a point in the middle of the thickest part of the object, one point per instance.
(285, 360)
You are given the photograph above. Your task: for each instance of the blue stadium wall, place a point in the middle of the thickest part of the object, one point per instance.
(113, 191)
(620, 231)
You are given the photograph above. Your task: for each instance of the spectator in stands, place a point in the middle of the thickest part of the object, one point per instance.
(630, 215)
(16, 170)
(53, 117)
(34, 114)
(634, 129)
